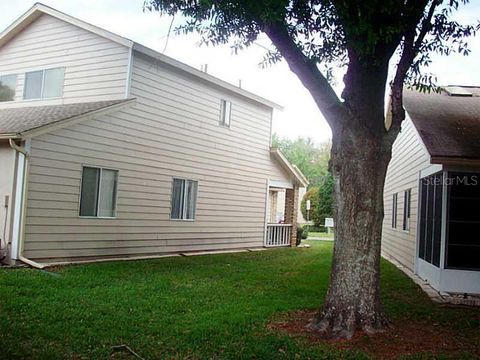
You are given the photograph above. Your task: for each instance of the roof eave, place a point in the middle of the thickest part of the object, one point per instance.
(455, 161)
(38, 9)
(292, 169)
(30, 133)
(204, 76)
(7, 136)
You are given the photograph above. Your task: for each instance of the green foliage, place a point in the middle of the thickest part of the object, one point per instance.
(321, 201)
(302, 234)
(327, 31)
(311, 158)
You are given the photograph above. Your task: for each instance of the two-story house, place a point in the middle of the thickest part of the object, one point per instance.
(109, 149)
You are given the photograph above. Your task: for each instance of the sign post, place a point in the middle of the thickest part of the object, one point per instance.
(329, 224)
(307, 205)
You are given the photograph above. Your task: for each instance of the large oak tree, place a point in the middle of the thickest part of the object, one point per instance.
(365, 36)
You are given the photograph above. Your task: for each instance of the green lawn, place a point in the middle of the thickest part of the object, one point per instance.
(214, 306)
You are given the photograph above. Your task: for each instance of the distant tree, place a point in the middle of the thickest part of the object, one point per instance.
(312, 195)
(366, 36)
(321, 201)
(310, 157)
(325, 199)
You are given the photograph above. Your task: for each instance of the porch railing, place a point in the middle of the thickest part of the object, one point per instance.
(278, 235)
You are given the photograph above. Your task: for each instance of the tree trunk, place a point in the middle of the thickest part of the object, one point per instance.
(359, 162)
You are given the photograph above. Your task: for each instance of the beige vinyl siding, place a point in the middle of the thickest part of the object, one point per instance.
(95, 67)
(7, 170)
(409, 157)
(172, 131)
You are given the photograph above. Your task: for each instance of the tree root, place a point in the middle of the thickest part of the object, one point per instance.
(342, 324)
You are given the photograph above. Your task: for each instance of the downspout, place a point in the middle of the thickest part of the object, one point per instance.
(19, 207)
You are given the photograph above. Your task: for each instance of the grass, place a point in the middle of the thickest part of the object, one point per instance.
(320, 235)
(214, 306)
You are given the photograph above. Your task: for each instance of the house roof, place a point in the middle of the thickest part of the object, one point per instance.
(38, 9)
(289, 167)
(17, 122)
(448, 123)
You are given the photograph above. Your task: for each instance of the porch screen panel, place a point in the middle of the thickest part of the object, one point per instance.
(463, 227)
(423, 219)
(431, 218)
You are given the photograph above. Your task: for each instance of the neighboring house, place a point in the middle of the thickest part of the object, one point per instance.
(109, 149)
(432, 190)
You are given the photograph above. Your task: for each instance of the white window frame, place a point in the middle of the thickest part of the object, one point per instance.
(407, 205)
(184, 210)
(225, 113)
(395, 211)
(15, 89)
(42, 88)
(98, 195)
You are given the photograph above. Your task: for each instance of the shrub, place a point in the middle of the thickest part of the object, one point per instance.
(302, 234)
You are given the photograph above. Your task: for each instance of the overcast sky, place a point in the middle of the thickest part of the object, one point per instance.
(300, 117)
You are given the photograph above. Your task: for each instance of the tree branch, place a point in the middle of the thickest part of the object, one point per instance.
(309, 74)
(411, 46)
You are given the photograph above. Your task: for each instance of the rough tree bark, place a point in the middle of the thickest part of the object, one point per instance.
(359, 165)
(361, 151)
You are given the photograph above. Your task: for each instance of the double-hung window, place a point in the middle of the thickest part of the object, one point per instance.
(44, 84)
(98, 196)
(184, 199)
(225, 113)
(394, 210)
(8, 83)
(406, 209)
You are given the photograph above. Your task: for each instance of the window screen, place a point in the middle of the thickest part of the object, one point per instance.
(53, 83)
(8, 84)
(406, 209)
(33, 85)
(431, 197)
(99, 192)
(463, 224)
(394, 210)
(225, 113)
(184, 199)
(44, 84)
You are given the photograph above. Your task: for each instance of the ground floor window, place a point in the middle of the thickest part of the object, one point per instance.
(394, 210)
(430, 234)
(406, 209)
(184, 199)
(462, 249)
(98, 197)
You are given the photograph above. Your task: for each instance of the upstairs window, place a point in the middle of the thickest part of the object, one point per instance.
(99, 192)
(8, 83)
(184, 199)
(394, 210)
(225, 113)
(44, 84)
(406, 209)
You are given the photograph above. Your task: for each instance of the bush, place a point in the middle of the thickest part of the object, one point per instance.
(302, 234)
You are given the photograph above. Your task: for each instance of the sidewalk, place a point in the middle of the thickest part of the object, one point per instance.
(321, 238)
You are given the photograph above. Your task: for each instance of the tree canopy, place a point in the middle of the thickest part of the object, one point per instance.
(311, 158)
(365, 36)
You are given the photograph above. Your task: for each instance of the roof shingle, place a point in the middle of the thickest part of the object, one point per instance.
(19, 120)
(448, 125)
